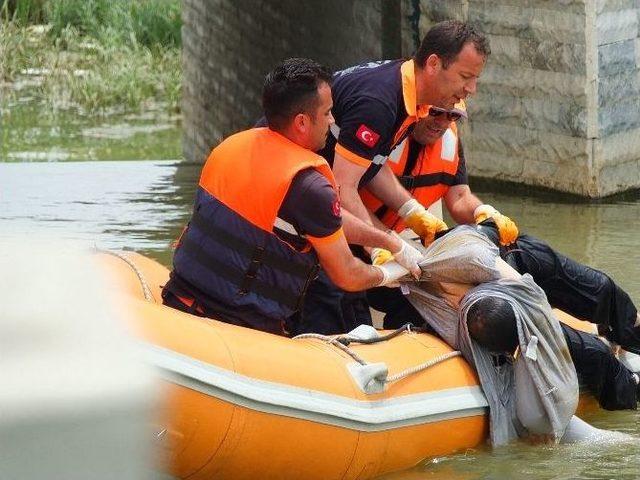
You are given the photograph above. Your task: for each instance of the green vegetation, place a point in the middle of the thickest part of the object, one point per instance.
(97, 56)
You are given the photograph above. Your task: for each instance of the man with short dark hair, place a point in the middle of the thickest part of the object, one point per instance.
(376, 105)
(267, 212)
(492, 324)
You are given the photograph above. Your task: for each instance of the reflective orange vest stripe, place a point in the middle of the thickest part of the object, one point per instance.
(429, 179)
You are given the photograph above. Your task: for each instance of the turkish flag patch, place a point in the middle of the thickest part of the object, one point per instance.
(335, 207)
(367, 136)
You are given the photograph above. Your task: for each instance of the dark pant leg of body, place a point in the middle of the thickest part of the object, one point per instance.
(397, 309)
(328, 309)
(355, 310)
(579, 290)
(610, 381)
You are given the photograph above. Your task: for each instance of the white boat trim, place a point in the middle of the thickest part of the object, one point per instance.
(313, 405)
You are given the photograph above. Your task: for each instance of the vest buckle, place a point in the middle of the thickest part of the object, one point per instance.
(252, 271)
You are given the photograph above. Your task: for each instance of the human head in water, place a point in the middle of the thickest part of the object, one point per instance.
(492, 324)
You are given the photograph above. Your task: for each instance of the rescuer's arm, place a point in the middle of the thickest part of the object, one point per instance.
(372, 234)
(398, 249)
(388, 189)
(348, 174)
(465, 207)
(348, 272)
(312, 205)
(461, 203)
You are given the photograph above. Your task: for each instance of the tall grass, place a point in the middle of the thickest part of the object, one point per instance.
(151, 23)
(96, 55)
(22, 12)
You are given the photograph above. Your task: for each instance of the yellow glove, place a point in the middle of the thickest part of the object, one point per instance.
(507, 228)
(380, 256)
(423, 223)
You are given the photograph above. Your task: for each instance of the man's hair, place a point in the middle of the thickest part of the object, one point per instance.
(292, 88)
(492, 324)
(447, 39)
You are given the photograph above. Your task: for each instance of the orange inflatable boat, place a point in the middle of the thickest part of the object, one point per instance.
(240, 403)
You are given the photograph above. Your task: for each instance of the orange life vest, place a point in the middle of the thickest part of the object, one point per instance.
(426, 172)
(231, 251)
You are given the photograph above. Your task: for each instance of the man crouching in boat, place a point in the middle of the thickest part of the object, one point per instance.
(267, 213)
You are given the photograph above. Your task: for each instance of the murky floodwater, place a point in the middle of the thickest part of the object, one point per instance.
(142, 205)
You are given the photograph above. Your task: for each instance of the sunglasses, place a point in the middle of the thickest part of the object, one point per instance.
(452, 115)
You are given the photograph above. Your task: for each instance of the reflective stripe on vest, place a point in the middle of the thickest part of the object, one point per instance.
(230, 250)
(428, 179)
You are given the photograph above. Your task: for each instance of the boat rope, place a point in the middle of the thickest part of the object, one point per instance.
(422, 366)
(335, 342)
(407, 327)
(339, 342)
(146, 290)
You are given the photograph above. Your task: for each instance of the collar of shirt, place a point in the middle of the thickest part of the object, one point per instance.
(407, 72)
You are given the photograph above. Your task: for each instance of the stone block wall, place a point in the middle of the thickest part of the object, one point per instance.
(557, 105)
(229, 45)
(617, 147)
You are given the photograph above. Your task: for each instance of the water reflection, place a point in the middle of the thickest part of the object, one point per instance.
(580, 461)
(31, 133)
(135, 205)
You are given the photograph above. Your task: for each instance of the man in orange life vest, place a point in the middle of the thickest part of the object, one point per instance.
(376, 105)
(267, 212)
(432, 167)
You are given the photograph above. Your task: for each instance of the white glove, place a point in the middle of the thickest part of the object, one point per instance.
(391, 273)
(408, 257)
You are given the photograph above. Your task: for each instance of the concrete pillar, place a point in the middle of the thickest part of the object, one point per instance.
(557, 105)
(76, 401)
(229, 45)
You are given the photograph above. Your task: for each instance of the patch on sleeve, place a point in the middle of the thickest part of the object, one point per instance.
(367, 136)
(335, 207)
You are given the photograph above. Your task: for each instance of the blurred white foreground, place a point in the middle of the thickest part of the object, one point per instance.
(75, 398)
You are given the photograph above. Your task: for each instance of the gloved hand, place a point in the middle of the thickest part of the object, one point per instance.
(391, 273)
(380, 256)
(507, 228)
(418, 219)
(408, 256)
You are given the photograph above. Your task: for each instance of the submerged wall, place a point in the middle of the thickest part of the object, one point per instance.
(557, 105)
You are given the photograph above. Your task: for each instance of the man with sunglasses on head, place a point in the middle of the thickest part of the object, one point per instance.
(375, 107)
(432, 167)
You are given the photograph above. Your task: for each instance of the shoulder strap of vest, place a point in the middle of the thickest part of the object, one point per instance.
(406, 179)
(427, 180)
